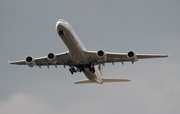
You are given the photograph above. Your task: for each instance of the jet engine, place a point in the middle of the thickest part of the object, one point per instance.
(132, 56)
(52, 58)
(30, 61)
(102, 55)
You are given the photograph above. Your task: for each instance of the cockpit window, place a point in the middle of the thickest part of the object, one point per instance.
(62, 20)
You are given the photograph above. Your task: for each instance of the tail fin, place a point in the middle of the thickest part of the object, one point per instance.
(100, 67)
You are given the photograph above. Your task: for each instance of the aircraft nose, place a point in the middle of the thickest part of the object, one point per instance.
(57, 24)
(60, 22)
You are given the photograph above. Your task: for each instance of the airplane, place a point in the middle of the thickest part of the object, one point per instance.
(81, 60)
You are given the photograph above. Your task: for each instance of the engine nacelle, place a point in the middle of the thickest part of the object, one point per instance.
(30, 61)
(52, 58)
(102, 55)
(132, 56)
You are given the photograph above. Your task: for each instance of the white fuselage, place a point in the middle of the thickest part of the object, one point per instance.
(76, 49)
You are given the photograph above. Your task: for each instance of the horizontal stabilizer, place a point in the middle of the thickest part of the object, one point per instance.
(105, 80)
(83, 82)
(115, 80)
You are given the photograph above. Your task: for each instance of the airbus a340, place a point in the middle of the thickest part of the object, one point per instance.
(81, 60)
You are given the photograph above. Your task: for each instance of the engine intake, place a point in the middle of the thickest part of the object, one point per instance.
(30, 61)
(102, 55)
(132, 56)
(52, 58)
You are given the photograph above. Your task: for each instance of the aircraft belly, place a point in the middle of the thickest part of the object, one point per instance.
(78, 58)
(94, 77)
(75, 51)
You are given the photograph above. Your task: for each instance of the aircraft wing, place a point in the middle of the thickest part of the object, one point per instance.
(61, 59)
(111, 57)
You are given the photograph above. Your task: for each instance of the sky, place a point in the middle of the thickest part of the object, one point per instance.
(28, 28)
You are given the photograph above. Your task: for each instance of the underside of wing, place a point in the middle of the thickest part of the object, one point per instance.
(21, 62)
(50, 59)
(100, 56)
(148, 56)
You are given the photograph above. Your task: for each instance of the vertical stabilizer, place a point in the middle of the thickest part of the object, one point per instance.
(100, 67)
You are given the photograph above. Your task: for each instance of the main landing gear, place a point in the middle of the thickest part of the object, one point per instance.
(81, 68)
(92, 70)
(72, 70)
(91, 67)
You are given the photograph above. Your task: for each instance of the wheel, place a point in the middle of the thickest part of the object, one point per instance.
(92, 70)
(71, 71)
(81, 69)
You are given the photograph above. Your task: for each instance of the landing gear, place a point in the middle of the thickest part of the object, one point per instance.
(82, 67)
(72, 70)
(91, 67)
(92, 70)
(79, 68)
